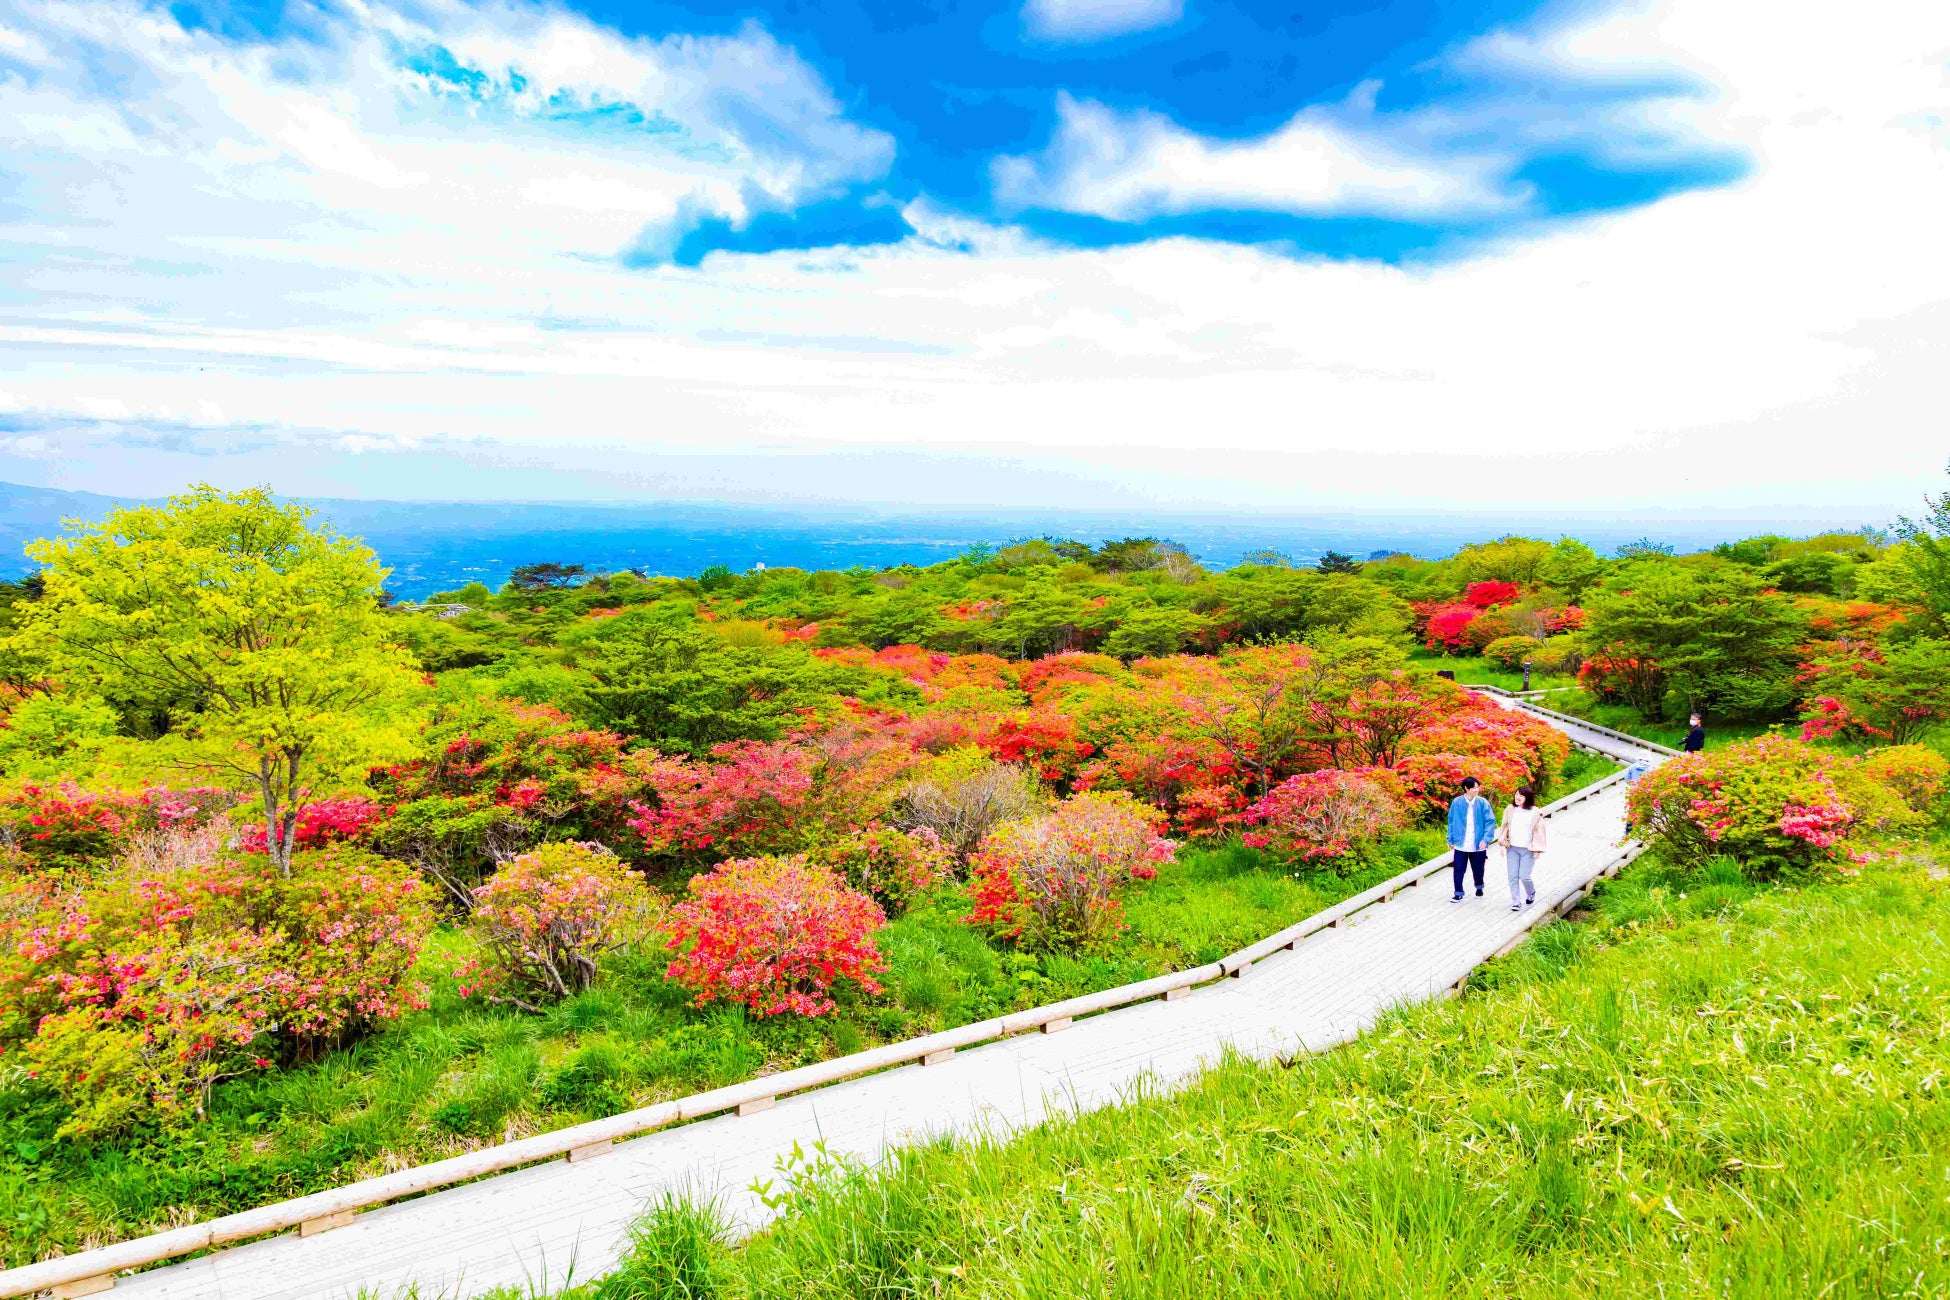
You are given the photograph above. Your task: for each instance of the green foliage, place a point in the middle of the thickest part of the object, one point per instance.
(65, 729)
(1706, 639)
(258, 635)
(1571, 568)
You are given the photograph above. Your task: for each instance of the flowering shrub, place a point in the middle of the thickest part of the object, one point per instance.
(548, 916)
(1506, 736)
(1429, 781)
(1772, 803)
(65, 827)
(1511, 651)
(1916, 774)
(1448, 628)
(774, 934)
(962, 803)
(1052, 882)
(1489, 627)
(327, 821)
(130, 994)
(893, 866)
(1488, 595)
(754, 800)
(1617, 674)
(1319, 816)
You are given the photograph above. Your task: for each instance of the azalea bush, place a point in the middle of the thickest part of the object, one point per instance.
(774, 934)
(1772, 803)
(1326, 816)
(894, 866)
(1513, 651)
(1429, 781)
(1051, 882)
(65, 826)
(547, 918)
(1915, 774)
(130, 994)
(320, 823)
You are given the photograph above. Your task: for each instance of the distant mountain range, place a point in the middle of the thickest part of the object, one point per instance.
(436, 546)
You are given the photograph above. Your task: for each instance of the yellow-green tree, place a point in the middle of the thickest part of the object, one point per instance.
(256, 632)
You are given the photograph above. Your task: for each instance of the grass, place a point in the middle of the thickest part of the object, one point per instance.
(1474, 670)
(1703, 1087)
(462, 1074)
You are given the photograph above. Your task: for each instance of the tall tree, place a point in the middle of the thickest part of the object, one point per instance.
(257, 634)
(1929, 563)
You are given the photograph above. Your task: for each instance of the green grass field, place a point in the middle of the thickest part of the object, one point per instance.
(1699, 1087)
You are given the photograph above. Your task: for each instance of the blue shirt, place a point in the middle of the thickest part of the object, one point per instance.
(1472, 822)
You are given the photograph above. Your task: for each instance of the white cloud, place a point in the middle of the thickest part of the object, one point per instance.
(1095, 20)
(1775, 340)
(1136, 165)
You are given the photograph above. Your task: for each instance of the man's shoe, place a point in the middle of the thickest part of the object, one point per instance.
(1528, 901)
(1479, 893)
(1457, 898)
(1516, 907)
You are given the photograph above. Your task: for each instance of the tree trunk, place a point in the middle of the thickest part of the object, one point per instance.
(273, 839)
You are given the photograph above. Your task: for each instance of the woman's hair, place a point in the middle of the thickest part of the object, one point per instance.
(1529, 796)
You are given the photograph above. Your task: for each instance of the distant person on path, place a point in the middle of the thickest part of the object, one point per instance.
(1472, 825)
(1696, 738)
(1522, 838)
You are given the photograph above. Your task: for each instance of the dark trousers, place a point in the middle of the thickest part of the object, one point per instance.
(1474, 861)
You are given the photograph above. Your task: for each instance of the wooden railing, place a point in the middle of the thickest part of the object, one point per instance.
(93, 1271)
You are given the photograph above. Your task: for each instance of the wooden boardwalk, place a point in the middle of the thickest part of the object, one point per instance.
(539, 1228)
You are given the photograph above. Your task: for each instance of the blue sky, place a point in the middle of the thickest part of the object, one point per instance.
(1176, 251)
(1100, 122)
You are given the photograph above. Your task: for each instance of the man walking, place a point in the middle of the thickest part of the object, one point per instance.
(1472, 824)
(1696, 738)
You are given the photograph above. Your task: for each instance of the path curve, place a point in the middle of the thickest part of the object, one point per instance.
(542, 1227)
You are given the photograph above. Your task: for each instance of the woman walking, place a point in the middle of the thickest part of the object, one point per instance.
(1522, 838)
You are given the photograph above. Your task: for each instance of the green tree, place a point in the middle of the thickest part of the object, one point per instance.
(1928, 562)
(1710, 639)
(1337, 562)
(257, 634)
(1507, 559)
(675, 683)
(1153, 630)
(1571, 568)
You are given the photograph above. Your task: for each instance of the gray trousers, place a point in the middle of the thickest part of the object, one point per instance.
(1520, 861)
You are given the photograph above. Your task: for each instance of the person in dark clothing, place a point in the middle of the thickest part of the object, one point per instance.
(1696, 738)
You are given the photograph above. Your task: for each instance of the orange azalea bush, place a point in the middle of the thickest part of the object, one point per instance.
(774, 934)
(1052, 881)
(548, 916)
(1326, 816)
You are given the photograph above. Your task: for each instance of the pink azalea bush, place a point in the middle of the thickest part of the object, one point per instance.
(1052, 881)
(894, 866)
(1772, 803)
(65, 826)
(774, 934)
(130, 994)
(548, 916)
(1326, 816)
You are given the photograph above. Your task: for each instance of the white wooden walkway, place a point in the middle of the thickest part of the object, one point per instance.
(533, 1227)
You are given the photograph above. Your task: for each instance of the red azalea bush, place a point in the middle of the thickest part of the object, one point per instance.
(321, 823)
(133, 993)
(548, 916)
(1488, 595)
(1617, 674)
(774, 934)
(894, 866)
(1772, 803)
(1052, 881)
(753, 800)
(1319, 816)
(65, 827)
(1447, 628)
